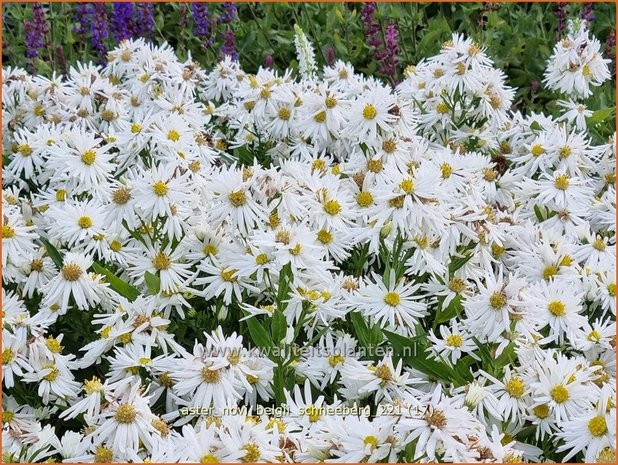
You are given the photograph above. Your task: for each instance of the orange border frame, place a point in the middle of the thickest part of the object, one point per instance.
(272, 1)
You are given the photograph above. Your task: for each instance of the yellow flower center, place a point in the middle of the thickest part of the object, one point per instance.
(284, 114)
(36, 264)
(209, 458)
(115, 246)
(457, 285)
(330, 101)
(71, 272)
(364, 199)
(335, 360)
(370, 111)
(324, 236)
(296, 249)
(7, 417)
(566, 261)
(497, 300)
(52, 375)
(375, 166)
(384, 373)
(594, 336)
(607, 455)
(320, 117)
(89, 157)
(561, 182)
(537, 150)
(397, 202)
(556, 308)
(122, 195)
(446, 170)
(541, 411)
(253, 453)
(559, 393)
(237, 199)
(210, 249)
(442, 108)
(195, 166)
(228, 275)
(25, 150)
(7, 231)
(550, 271)
(407, 185)
(515, 387)
(84, 222)
(136, 128)
(565, 152)
(93, 385)
(332, 207)
(103, 455)
(53, 345)
(313, 413)
(597, 426)
(125, 413)
(389, 145)
(371, 441)
(7, 356)
(319, 165)
(261, 259)
(392, 299)
(161, 261)
(599, 244)
(210, 376)
(454, 340)
(490, 174)
(173, 135)
(160, 188)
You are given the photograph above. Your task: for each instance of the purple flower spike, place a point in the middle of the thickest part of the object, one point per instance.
(202, 23)
(330, 56)
(268, 62)
(83, 17)
(36, 30)
(229, 46)
(228, 14)
(123, 26)
(588, 12)
(99, 31)
(145, 20)
(561, 15)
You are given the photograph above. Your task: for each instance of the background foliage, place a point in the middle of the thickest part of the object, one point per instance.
(519, 36)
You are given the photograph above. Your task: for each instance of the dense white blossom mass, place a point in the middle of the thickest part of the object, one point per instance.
(205, 241)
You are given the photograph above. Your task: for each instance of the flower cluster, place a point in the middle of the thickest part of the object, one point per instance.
(576, 63)
(207, 266)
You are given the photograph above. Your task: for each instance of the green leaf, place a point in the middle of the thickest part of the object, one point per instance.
(458, 262)
(445, 314)
(601, 115)
(434, 369)
(538, 213)
(278, 326)
(400, 343)
(535, 126)
(415, 356)
(53, 253)
(153, 283)
(117, 284)
(259, 335)
(361, 329)
(283, 288)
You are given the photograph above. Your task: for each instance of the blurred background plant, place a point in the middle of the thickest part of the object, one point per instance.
(377, 38)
